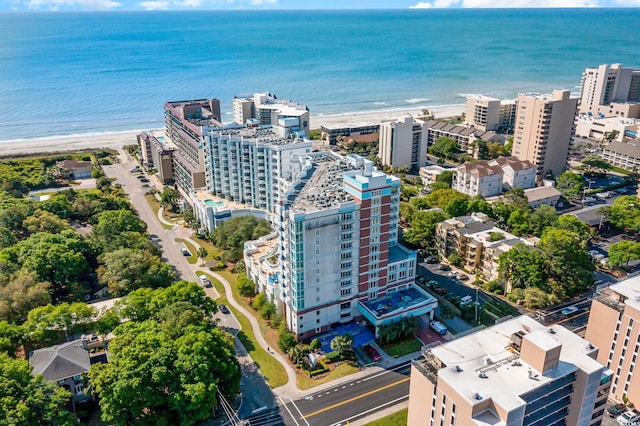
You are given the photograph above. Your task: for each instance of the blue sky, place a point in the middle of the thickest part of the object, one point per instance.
(75, 5)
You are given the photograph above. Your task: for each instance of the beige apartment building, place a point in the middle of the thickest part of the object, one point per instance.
(544, 129)
(403, 142)
(485, 113)
(518, 372)
(478, 241)
(610, 90)
(614, 326)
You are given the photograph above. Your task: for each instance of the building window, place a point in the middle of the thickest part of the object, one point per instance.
(345, 292)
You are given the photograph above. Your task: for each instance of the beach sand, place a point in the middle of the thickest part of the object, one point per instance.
(117, 140)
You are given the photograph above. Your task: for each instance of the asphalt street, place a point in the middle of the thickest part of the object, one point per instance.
(349, 401)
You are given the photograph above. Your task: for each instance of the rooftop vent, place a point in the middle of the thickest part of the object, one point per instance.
(482, 375)
(516, 363)
(458, 369)
(476, 396)
(551, 330)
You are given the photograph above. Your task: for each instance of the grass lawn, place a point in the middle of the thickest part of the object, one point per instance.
(155, 206)
(212, 251)
(399, 418)
(403, 348)
(270, 368)
(342, 370)
(192, 249)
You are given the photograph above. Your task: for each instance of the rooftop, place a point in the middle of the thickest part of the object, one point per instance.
(480, 169)
(350, 126)
(541, 193)
(263, 134)
(513, 162)
(60, 361)
(630, 148)
(457, 129)
(397, 301)
(486, 364)
(322, 187)
(629, 289)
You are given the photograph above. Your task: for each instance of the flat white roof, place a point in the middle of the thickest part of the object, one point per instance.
(505, 374)
(629, 288)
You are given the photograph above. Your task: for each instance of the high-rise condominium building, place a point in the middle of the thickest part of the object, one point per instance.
(403, 143)
(252, 166)
(518, 372)
(186, 122)
(267, 109)
(544, 129)
(610, 90)
(340, 257)
(485, 113)
(614, 326)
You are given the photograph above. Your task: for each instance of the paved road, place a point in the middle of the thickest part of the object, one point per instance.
(453, 285)
(349, 401)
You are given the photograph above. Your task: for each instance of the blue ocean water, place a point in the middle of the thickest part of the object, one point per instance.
(69, 73)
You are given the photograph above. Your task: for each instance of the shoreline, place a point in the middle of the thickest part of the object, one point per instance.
(115, 140)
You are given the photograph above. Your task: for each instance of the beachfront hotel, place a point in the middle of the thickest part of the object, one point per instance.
(267, 110)
(485, 113)
(186, 122)
(614, 326)
(518, 372)
(337, 258)
(544, 129)
(610, 90)
(402, 143)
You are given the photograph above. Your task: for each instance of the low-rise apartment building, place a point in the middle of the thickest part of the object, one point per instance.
(331, 132)
(623, 155)
(465, 136)
(600, 129)
(429, 174)
(490, 178)
(478, 241)
(614, 326)
(518, 372)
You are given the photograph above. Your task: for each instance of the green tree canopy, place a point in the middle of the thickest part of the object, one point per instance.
(126, 270)
(233, 233)
(246, 286)
(423, 228)
(570, 185)
(623, 252)
(445, 147)
(342, 343)
(625, 213)
(113, 222)
(157, 378)
(523, 266)
(20, 294)
(30, 400)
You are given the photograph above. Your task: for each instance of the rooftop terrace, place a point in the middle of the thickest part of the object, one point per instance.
(396, 301)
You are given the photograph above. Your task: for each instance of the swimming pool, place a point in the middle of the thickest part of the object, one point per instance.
(214, 203)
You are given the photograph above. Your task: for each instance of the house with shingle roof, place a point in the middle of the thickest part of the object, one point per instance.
(75, 169)
(63, 364)
(490, 178)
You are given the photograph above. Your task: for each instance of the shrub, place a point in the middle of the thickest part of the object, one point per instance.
(286, 341)
(315, 345)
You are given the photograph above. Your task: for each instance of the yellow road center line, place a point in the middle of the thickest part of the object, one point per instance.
(355, 398)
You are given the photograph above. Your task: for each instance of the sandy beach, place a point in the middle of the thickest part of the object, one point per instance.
(116, 140)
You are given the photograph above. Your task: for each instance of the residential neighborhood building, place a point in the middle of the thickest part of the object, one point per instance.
(267, 110)
(486, 113)
(75, 169)
(614, 326)
(464, 135)
(623, 155)
(478, 178)
(338, 258)
(478, 241)
(330, 133)
(429, 174)
(610, 90)
(544, 130)
(518, 372)
(542, 195)
(403, 143)
(490, 178)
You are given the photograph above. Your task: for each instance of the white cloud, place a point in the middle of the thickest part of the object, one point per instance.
(83, 4)
(627, 2)
(155, 5)
(513, 3)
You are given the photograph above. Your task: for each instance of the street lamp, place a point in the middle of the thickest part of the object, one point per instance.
(584, 191)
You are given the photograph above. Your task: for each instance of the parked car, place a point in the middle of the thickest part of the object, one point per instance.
(432, 283)
(223, 309)
(466, 300)
(569, 311)
(431, 259)
(452, 274)
(135, 169)
(444, 267)
(616, 410)
(144, 180)
(372, 352)
(463, 277)
(141, 177)
(442, 291)
(205, 281)
(628, 417)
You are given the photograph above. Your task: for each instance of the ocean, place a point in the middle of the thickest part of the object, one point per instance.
(75, 73)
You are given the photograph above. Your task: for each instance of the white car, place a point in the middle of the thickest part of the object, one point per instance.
(465, 300)
(205, 281)
(628, 417)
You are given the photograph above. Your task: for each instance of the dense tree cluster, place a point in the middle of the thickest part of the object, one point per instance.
(233, 233)
(168, 363)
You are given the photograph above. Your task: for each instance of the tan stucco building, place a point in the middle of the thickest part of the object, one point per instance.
(518, 372)
(544, 129)
(614, 326)
(486, 113)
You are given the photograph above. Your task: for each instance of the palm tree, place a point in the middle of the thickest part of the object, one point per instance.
(202, 254)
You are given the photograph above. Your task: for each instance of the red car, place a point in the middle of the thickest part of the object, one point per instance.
(372, 352)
